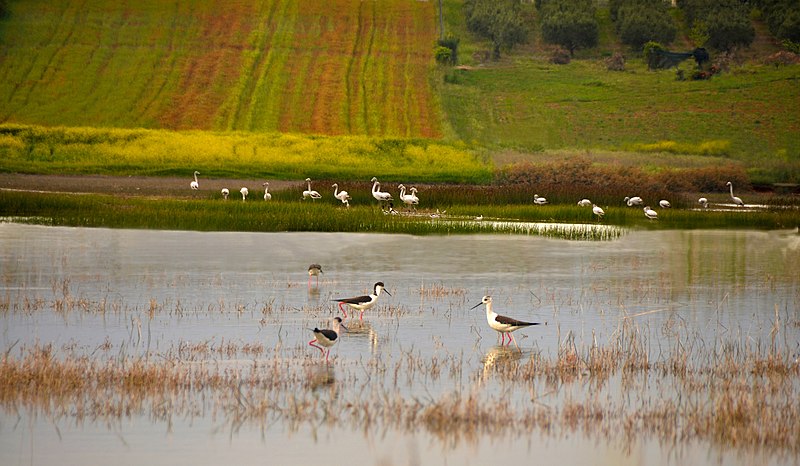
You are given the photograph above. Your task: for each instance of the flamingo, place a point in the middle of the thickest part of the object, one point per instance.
(650, 213)
(327, 337)
(664, 204)
(381, 196)
(244, 192)
(225, 193)
(703, 202)
(310, 192)
(632, 201)
(267, 195)
(539, 200)
(598, 211)
(408, 199)
(584, 203)
(736, 200)
(343, 196)
(194, 184)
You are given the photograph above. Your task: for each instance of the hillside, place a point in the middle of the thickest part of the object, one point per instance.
(353, 68)
(334, 67)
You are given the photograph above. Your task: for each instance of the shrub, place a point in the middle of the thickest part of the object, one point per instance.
(616, 62)
(560, 56)
(443, 55)
(451, 42)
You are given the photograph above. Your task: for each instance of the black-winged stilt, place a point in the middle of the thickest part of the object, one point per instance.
(313, 271)
(504, 325)
(362, 303)
(327, 337)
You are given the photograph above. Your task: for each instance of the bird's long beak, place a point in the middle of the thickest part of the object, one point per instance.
(344, 327)
(386, 291)
(473, 307)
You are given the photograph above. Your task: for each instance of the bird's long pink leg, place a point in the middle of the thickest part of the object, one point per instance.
(361, 317)
(311, 343)
(342, 309)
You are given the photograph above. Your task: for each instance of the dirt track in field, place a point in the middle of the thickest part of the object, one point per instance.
(133, 185)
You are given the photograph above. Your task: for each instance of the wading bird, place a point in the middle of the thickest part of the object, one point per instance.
(664, 204)
(225, 193)
(381, 196)
(310, 192)
(194, 184)
(327, 337)
(632, 201)
(244, 192)
(502, 324)
(736, 200)
(703, 202)
(343, 196)
(584, 203)
(362, 303)
(410, 200)
(650, 213)
(313, 271)
(267, 195)
(539, 200)
(598, 211)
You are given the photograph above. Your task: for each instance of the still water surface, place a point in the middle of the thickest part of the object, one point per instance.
(147, 293)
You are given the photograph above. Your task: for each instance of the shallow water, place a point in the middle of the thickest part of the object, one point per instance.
(103, 293)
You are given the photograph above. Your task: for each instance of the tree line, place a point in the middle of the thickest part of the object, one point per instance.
(572, 24)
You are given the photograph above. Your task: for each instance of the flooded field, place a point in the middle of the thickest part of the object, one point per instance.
(664, 347)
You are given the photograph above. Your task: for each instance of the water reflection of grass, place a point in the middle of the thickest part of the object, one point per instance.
(736, 393)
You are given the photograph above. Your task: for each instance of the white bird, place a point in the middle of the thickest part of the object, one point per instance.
(408, 199)
(327, 337)
(635, 200)
(362, 303)
(225, 193)
(194, 184)
(244, 192)
(664, 204)
(539, 200)
(267, 195)
(502, 324)
(598, 211)
(650, 213)
(703, 202)
(310, 192)
(479, 217)
(584, 203)
(736, 200)
(381, 196)
(343, 196)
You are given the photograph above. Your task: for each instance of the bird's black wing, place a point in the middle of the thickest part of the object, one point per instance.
(511, 321)
(328, 333)
(356, 300)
